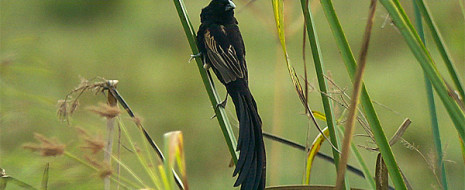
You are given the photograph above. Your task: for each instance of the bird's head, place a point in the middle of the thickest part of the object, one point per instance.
(219, 11)
(222, 5)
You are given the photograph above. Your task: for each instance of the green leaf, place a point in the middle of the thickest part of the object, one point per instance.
(45, 177)
(316, 145)
(431, 102)
(4, 180)
(440, 45)
(320, 72)
(279, 18)
(381, 176)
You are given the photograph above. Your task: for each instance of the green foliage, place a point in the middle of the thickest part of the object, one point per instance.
(320, 73)
(365, 99)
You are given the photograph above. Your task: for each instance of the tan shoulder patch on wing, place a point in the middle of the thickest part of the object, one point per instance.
(226, 63)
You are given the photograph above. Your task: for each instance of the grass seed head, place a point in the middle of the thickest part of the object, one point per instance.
(47, 147)
(105, 110)
(104, 168)
(94, 144)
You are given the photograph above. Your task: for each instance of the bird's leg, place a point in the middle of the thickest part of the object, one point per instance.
(206, 66)
(222, 104)
(194, 56)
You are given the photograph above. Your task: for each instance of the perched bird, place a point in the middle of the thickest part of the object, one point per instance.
(222, 49)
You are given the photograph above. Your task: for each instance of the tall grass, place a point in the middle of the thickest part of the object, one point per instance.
(365, 99)
(423, 56)
(320, 72)
(432, 107)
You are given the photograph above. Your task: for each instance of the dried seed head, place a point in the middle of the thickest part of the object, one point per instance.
(2, 173)
(74, 106)
(104, 168)
(62, 110)
(47, 147)
(94, 144)
(105, 110)
(105, 172)
(138, 120)
(83, 83)
(137, 149)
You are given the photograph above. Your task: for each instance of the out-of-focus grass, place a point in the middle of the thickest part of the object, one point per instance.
(141, 44)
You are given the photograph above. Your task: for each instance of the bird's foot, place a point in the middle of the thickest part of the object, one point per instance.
(213, 117)
(206, 66)
(194, 56)
(222, 104)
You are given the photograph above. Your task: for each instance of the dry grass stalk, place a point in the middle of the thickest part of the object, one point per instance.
(69, 105)
(357, 89)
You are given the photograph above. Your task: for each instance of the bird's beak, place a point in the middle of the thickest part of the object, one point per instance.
(230, 6)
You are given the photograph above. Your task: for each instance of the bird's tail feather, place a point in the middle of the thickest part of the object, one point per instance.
(251, 165)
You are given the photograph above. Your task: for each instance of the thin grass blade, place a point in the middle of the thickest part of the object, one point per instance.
(462, 8)
(462, 145)
(430, 97)
(365, 170)
(132, 173)
(174, 149)
(44, 183)
(279, 19)
(400, 132)
(358, 81)
(170, 152)
(146, 135)
(164, 177)
(456, 114)
(16, 182)
(319, 115)
(381, 176)
(438, 40)
(320, 72)
(314, 149)
(4, 179)
(155, 179)
(121, 181)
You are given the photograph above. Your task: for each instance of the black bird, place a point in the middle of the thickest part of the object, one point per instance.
(222, 49)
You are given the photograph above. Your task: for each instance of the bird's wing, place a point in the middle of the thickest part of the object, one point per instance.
(223, 56)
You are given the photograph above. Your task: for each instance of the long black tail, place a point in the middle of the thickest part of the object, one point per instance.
(251, 165)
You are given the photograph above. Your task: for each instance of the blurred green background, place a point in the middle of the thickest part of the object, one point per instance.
(47, 45)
